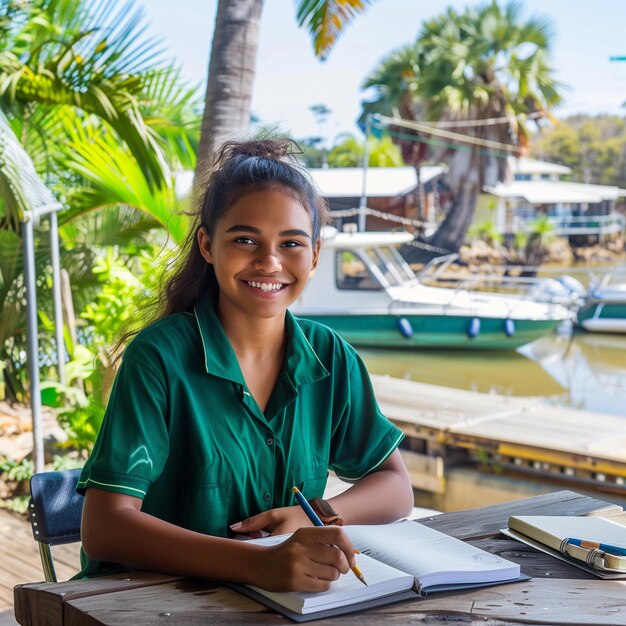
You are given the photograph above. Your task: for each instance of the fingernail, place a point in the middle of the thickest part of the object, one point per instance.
(236, 526)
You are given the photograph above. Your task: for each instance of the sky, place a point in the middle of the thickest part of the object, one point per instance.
(289, 79)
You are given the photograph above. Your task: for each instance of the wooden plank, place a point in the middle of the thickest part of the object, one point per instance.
(545, 601)
(44, 603)
(456, 412)
(426, 472)
(486, 521)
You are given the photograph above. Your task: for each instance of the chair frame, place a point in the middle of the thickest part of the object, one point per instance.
(55, 511)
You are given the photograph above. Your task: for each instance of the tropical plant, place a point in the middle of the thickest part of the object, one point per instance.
(530, 246)
(486, 231)
(348, 152)
(233, 60)
(81, 88)
(481, 73)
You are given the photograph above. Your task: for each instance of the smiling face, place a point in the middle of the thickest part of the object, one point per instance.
(262, 254)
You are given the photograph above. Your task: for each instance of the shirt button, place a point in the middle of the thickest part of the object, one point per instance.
(267, 497)
(269, 441)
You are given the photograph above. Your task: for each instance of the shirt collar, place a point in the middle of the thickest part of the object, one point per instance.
(301, 361)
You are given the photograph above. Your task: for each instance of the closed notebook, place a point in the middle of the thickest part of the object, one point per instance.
(552, 531)
(399, 561)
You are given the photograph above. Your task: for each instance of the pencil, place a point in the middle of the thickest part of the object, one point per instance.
(598, 545)
(312, 515)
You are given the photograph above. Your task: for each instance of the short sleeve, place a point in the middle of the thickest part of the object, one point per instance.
(132, 445)
(363, 438)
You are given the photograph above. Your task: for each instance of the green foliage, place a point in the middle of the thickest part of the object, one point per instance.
(16, 470)
(594, 147)
(348, 152)
(486, 231)
(86, 108)
(531, 246)
(105, 319)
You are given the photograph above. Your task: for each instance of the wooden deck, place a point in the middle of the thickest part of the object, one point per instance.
(446, 425)
(20, 563)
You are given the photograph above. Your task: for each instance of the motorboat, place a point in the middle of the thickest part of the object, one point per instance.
(604, 307)
(365, 290)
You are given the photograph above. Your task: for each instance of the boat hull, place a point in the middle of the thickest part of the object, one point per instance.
(434, 331)
(601, 317)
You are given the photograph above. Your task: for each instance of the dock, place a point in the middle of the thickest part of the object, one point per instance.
(447, 427)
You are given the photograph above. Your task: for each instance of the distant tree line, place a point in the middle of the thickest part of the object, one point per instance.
(593, 146)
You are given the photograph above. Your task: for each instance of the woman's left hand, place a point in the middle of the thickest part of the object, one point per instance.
(286, 519)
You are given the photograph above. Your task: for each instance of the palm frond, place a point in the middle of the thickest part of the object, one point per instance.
(114, 178)
(326, 19)
(92, 61)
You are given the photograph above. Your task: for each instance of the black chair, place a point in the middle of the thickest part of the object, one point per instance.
(55, 512)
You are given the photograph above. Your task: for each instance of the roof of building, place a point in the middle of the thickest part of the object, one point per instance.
(347, 182)
(381, 182)
(526, 165)
(555, 191)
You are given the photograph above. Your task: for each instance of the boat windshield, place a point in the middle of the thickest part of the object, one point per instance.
(356, 272)
(394, 259)
(389, 270)
(372, 268)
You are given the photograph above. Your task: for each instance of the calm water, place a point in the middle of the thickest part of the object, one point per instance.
(586, 371)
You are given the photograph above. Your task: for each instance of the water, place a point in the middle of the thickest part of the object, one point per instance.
(586, 371)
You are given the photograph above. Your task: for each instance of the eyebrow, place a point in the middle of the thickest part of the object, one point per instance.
(283, 233)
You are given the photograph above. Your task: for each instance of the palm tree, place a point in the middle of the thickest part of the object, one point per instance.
(483, 64)
(233, 61)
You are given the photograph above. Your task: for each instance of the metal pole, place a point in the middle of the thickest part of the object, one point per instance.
(56, 295)
(366, 159)
(32, 342)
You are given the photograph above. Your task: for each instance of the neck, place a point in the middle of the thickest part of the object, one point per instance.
(254, 337)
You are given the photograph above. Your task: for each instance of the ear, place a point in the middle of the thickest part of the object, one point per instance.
(204, 243)
(316, 253)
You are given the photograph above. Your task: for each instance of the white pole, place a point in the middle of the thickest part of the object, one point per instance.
(56, 295)
(32, 342)
(366, 158)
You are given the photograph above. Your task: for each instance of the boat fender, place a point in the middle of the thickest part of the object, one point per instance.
(509, 327)
(473, 328)
(405, 328)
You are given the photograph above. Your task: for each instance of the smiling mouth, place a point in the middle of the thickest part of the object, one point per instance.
(267, 287)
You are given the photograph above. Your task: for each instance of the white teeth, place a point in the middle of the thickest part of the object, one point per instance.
(265, 286)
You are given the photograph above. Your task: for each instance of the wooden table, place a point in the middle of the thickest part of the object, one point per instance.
(557, 594)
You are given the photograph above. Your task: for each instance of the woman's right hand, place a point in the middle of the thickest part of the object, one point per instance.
(308, 561)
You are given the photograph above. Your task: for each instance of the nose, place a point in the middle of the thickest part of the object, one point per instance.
(268, 261)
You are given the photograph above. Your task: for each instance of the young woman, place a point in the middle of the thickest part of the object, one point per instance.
(227, 401)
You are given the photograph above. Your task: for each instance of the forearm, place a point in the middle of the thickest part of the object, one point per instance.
(141, 541)
(378, 498)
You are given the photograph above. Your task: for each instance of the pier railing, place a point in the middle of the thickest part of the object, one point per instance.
(599, 225)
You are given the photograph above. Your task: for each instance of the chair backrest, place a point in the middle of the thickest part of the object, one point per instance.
(55, 513)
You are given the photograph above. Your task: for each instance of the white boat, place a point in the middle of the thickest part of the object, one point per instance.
(365, 290)
(604, 308)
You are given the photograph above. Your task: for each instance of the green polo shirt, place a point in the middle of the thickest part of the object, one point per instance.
(183, 433)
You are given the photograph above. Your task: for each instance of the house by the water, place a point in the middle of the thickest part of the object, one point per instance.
(577, 210)
(391, 192)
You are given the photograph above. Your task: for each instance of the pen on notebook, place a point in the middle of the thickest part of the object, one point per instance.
(312, 515)
(598, 545)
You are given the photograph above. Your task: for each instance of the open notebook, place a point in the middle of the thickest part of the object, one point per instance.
(399, 561)
(550, 534)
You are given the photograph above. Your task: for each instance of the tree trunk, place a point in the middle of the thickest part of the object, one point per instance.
(231, 76)
(451, 234)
